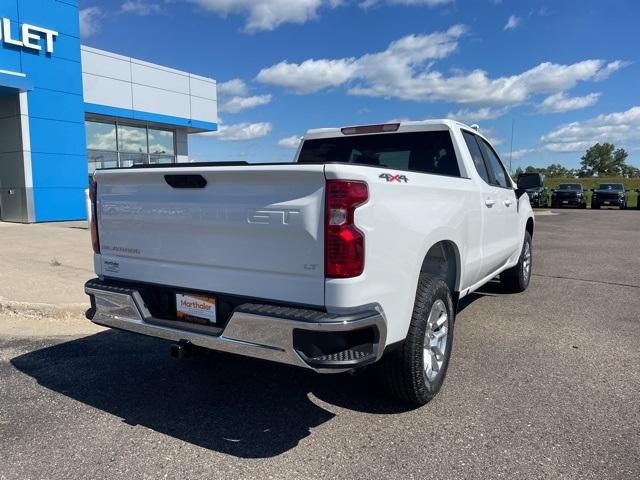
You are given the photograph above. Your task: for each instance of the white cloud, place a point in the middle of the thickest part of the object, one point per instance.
(467, 115)
(388, 67)
(268, 14)
(512, 23)
(560, 102)
(90, 19)
(238, 104)
(233, 97)
(611, 127)
(290, 142)
(517, 154)
(309, 76)
(405, 71)
(611, 67)
(140, 7)
(235, 87)
(490, 134)
(241, 132)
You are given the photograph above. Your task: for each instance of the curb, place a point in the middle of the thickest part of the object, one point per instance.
(43, 310)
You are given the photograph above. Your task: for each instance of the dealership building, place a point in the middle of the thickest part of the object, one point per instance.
(67, 109)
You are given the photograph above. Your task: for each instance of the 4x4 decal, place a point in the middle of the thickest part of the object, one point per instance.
(394, 178)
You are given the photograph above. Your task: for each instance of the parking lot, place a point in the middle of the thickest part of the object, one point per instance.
(544, 384)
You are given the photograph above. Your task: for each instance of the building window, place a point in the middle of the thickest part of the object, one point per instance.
(161, 146)
(116, 145)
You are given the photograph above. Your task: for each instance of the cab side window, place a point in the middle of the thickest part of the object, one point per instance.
(500, 175)
(476, 154)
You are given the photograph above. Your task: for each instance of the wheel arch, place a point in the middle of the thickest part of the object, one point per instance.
(443, 260)
(530, 226)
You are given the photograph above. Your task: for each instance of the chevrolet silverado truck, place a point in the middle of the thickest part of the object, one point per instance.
(533, 184)
(609, 195)
(569, 195)
(354, 255)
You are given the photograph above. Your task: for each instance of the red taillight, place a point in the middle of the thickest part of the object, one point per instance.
(344, 243)
(93, 220)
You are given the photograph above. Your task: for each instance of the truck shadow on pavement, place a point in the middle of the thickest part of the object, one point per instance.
(226, 403)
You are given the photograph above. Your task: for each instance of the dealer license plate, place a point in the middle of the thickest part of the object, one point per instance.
(565, 201)
(196, 309)
(606, 202)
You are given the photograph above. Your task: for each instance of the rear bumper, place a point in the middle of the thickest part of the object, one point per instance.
(302, 337)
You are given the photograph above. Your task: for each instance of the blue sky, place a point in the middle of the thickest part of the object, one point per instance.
(566, 73)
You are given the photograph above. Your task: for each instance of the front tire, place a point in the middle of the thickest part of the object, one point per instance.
(516, 279)
(415, 372)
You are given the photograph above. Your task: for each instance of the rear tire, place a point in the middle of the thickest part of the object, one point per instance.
(517, 278)
(595, 206)
(414, 373)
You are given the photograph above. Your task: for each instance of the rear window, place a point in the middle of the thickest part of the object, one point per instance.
(426, 152)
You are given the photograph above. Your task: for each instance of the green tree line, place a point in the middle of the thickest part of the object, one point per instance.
(600, 160)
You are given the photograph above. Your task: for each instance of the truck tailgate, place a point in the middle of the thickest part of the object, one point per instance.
(254, 231)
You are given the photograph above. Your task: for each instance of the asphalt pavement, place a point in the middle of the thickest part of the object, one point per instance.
(544, 384)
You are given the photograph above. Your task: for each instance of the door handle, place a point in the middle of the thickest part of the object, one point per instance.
(507, 203)
(489, 202)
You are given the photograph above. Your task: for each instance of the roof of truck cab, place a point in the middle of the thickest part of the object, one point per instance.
(405, 126)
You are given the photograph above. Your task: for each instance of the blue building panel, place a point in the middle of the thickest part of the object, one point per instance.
(108, 111)
(127, 113)
(15, 83)
(56, 204)
(59, 16)
(55, 105)
(55, 136)
(9, 9)
(56, 112)
(48, 168)
(73, 3)
(9, 60)
(53, 73)
(50, 165)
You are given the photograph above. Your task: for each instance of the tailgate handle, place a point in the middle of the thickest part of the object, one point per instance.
(186, 181)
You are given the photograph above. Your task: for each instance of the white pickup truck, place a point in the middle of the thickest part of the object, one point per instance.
(356, 254)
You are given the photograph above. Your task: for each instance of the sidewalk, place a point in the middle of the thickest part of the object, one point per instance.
(43, 268)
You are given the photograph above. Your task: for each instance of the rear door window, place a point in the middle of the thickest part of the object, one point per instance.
(476, 154)
(499, 173)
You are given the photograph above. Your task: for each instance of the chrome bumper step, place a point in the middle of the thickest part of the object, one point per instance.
(254, 330)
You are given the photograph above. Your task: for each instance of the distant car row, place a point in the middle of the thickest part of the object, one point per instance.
(573, 194)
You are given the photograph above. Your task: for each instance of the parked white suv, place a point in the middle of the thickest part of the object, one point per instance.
(356, 254)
